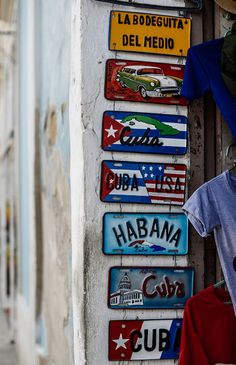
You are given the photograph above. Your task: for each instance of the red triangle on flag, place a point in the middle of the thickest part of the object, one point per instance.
(111, 130)
(107, 175)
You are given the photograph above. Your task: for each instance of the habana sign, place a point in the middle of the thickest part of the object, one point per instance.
(144, 133)
(149, 287)
(149, 33)
(145, 234)
(153, 339)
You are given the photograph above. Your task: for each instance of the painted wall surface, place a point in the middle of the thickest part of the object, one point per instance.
(52, 88)
(25, 131)
(46, 321)
(77, 175)
(95, 24)
(7, 181)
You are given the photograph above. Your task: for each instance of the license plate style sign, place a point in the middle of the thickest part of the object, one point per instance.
(147, 183)
(145, 234)
(144, 339)
(149, 287)
(148, 82)
(149, 33)
(144, 133)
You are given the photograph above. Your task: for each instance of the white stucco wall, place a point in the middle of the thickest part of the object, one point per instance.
(77, 168)
(95, 24)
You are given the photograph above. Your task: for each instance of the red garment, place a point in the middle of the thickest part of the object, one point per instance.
(209, 329)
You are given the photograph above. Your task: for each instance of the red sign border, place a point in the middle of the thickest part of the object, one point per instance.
(155, 100)
(136, 320)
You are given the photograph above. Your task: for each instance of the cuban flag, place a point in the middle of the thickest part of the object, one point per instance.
(147, 183)
(144, 339)
(144, 133)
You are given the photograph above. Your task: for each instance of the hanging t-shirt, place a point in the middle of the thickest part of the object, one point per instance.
(208, 330)
(203, 73)
(212, 208)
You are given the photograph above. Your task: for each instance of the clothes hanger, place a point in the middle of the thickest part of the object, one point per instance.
(231, 30)
(218, 285)
(233, 168)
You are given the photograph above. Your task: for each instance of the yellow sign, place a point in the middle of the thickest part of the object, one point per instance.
(149, 33)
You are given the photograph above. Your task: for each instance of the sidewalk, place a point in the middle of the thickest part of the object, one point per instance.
(7, 350)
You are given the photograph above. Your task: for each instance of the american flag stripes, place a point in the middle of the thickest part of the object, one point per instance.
(148, 183)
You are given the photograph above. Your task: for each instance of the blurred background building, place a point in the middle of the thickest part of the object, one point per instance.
(36, 253)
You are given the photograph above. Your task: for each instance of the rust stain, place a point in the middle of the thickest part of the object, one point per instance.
(51, 125)
(63, 108)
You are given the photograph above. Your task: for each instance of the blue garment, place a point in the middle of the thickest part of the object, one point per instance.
(203, 73)
(211, 208)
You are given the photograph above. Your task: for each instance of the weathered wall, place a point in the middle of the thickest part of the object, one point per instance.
(7, 180)
(24, 177)
(7, 195)
(45, 333)
(77, 169)
(53, 58)
(95, 25)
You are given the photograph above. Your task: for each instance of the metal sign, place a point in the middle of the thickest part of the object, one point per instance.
(145, 234)
(144, 133)
(148, 82)
(144, 339)
(181, 5)
(149, 287)
(147, 183)
(149, 33)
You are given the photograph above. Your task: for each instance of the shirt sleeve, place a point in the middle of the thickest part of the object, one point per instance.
(196, 80)
(191, 349)
(201, 211)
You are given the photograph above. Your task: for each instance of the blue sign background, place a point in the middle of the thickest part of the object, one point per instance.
(146, 183)
(165, 134)
(145, 234)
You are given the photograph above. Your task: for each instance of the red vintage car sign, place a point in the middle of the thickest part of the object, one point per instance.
(148, 82)
(144, 339)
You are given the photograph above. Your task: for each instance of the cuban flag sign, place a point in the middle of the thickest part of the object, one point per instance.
(144, 133)
(144, 339)
(146, 183)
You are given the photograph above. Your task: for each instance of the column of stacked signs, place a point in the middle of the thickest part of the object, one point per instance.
(145, 183)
